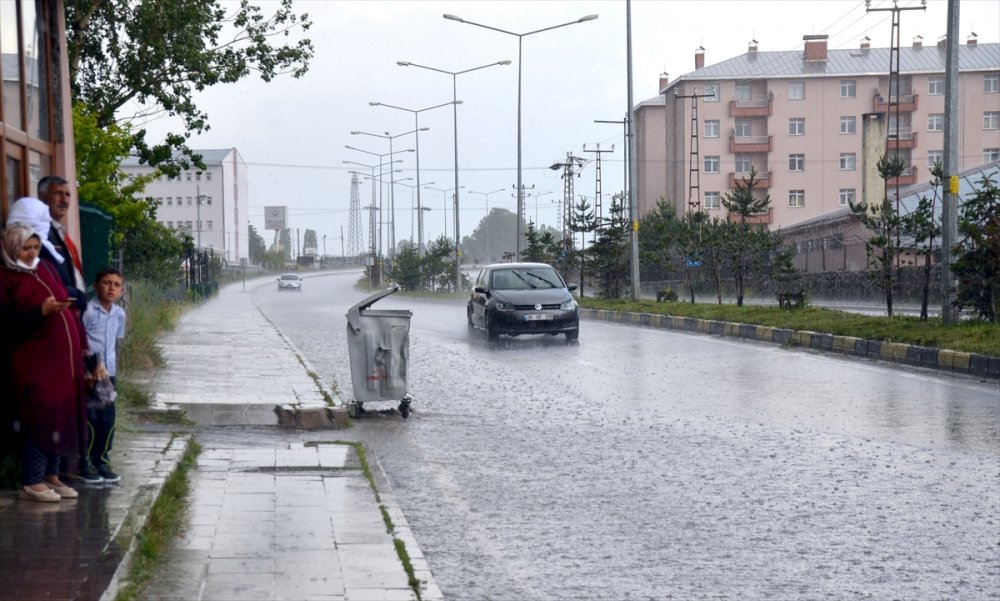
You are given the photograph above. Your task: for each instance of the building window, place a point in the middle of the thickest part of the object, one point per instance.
(848, 125)
(170, 225)
(208, 200)
(208, 225)
(847, 161)
(199, 226)
(187, 175)
(796, 126)
(711, 164)
(934, 157)
(797, 90)
(935, 122)
(208, 176)
(187, 225)
(796, 162)
(991, 120)
(713, 200)
(189, 201)
(991, 154)
(848, 88)
(170, 201)
(846, 197)
(796, 198)
(712, 128)
(991, 84)
(743, 163)
(742, 128)
(935, 86)
(197, 176)
(742, 91)
(713, 90)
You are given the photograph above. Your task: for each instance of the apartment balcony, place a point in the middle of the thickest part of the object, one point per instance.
(908, 178)
(755, 106)
(906, 138)
(907, 103)
(764, 218)
(748, 144)
(765, 179)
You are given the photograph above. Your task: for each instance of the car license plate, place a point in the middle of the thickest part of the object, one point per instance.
(538, 317)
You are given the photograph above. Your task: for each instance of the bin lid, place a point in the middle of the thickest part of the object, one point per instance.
(354, 313)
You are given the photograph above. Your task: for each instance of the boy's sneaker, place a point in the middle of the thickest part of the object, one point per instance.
(90, 475)
(107, 475)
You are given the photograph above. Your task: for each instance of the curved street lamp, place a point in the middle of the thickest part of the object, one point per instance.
(520, 37)
(392, 194)
(416, 124)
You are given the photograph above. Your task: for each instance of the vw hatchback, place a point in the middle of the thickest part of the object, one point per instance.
(523, 298)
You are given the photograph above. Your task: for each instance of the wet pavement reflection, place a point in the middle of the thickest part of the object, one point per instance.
(646, 464)
(67, 550)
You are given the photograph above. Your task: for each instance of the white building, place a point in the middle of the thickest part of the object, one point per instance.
(210, 204)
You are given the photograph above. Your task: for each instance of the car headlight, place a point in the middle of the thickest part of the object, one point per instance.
(500, 306)
(568, 305)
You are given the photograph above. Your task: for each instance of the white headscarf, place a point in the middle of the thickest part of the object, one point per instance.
(34, 213)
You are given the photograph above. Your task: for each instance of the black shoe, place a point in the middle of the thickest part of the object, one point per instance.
(90, 475)
(107, 475)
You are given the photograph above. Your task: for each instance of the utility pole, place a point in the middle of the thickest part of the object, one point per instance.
(694, 168)
(949, 207)
(598, 212)
(633, 201)
(569, 167)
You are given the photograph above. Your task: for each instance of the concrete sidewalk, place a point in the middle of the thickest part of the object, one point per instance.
(274, 513)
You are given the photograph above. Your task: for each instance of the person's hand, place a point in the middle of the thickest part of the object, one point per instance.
(50, 305)
(101, 372)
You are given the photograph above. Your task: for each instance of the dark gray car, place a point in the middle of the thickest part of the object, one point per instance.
(523, 298)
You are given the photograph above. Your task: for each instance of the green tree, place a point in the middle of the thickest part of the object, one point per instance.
(885, 224)
(156, 54)
(257, 245)
(977, 264)
(610, 252)
(495, 234)
(744, 204)
(285, 243)
(582, 221)
(438, 263)
(406, 269)
(922, 226)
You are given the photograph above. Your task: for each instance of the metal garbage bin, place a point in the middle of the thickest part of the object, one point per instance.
(378, 342)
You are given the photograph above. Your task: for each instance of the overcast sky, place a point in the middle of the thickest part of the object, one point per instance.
(292, 132)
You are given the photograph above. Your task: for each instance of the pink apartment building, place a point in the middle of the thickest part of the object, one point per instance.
(812, 122)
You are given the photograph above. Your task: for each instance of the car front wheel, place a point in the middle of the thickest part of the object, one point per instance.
(572, 336)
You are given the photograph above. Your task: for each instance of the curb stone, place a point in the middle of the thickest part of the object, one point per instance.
(138, 513)
(974, 364)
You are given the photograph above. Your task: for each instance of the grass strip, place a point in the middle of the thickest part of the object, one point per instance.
(966, 336)
(165, 519)
(401, 552)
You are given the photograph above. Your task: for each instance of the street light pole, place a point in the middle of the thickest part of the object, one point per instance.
(392, 194)
(416, 124)
(520, 37)
(455, 103)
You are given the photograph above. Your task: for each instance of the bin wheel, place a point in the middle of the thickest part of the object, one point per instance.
(354, 410)
(404, 409)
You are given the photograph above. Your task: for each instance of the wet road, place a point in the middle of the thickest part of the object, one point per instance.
(645, 464)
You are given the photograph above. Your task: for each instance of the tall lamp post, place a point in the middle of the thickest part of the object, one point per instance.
(392, 194)
(455, 103)
(489, 255)
(445, 192)
(520, 37)
(416, 124)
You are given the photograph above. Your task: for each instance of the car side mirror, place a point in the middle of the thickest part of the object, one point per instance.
(571, 287)
(479, 290)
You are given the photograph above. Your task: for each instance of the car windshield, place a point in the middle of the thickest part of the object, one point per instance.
(523, 279)
(289, 276)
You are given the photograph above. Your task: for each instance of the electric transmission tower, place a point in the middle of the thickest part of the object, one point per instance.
(569, 167)
(355, 239)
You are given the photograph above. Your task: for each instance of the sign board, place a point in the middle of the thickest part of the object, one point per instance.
(275, 218)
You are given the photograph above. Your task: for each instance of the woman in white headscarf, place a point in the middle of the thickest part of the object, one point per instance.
(43, 344)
